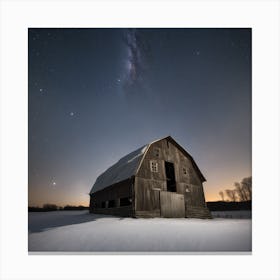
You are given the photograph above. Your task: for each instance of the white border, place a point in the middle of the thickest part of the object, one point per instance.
(17, 16)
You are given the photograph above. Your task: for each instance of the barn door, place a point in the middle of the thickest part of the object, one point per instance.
(172, 205)
(170, 176)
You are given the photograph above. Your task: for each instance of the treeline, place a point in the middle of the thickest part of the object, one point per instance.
(53, 207)
(229, 205)
(241, 192)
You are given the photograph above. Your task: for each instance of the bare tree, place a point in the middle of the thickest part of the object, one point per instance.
(221, 193)
(246, 184)
(240, 192)
(231, 195)
(234, 195)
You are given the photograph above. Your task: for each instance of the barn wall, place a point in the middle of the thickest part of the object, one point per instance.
(148, 184)
(125, 211)
(114, 193)
(147, 196)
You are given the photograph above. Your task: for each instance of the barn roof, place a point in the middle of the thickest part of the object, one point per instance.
(127, 166)
(123, 169)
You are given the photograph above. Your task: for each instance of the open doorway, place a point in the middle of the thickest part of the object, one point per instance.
(170, 176)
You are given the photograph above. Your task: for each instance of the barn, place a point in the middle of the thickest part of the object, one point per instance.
(160, 179)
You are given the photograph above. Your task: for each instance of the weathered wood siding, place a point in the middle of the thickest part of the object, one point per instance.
(115, 192)
(172, 205)
(147, 197)
(148, 184)
(125, 211)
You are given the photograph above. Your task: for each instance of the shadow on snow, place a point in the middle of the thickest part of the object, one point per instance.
(42, 221)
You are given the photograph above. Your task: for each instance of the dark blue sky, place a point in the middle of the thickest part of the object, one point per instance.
(98, 94)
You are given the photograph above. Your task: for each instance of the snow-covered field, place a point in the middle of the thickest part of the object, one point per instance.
(79, 231)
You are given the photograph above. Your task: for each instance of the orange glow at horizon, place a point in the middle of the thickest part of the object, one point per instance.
(211, 192)
(58, 197)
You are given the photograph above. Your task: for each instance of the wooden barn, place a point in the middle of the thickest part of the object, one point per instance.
(160, 179)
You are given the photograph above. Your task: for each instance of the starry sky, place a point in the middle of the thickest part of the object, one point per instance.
(94, 95)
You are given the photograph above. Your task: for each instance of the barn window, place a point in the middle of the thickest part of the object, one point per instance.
(103, 204)
(154, 166)
(125, 201)
(188, 188)
(184, 171)
(156, 152)
(111, 204)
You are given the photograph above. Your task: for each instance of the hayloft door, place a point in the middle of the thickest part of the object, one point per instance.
(170, 176)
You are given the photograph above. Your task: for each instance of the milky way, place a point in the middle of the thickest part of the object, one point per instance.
(137, 60)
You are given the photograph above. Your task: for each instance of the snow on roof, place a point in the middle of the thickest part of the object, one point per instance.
(123, 169)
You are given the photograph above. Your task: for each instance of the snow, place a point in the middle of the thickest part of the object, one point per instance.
(79, 231)
(123, 169)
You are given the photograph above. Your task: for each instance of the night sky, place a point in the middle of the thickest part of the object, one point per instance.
(97, 94)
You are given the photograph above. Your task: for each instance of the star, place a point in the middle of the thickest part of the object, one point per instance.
(54, 183)
(72, 114)
(197, 52)
(41, 90)
(118, 80)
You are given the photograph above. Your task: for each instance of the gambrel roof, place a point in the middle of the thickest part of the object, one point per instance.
(128, 166)
(123, 169)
